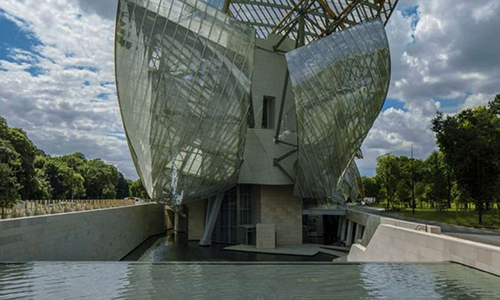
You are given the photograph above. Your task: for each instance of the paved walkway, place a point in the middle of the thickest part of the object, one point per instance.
(485, 236)
(301, 250)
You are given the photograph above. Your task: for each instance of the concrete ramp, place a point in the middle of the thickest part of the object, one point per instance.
(391, 243)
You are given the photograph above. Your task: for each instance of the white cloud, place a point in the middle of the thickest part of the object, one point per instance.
(71, 104)
(447, 61)
(446, 57)
(476, 100)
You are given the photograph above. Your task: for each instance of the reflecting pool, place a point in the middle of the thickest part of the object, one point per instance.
(209, 280)
(176, 247)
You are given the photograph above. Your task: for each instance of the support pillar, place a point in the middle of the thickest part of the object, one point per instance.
(213, 211)
(357, 233)
(180, 223)
(348, 241)
(344, 228)
(339, 229)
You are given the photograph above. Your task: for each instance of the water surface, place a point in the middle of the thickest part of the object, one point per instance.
(139, 280)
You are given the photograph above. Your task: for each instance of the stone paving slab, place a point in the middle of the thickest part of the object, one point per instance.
(302, 250)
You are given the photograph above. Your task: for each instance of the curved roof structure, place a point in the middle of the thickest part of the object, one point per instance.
(322, 17)
(184, 75)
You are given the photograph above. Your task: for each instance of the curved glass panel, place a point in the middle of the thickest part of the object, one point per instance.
(339, 83)
(350, 187)
(183, 73)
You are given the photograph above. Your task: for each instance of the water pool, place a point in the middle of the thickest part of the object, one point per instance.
(245, 280)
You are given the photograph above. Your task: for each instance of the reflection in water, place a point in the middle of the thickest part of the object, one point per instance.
(176, 247)
(139, 280)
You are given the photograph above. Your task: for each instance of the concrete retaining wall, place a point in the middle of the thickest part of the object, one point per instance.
(371, 223)
(104, 234)
(397, 244)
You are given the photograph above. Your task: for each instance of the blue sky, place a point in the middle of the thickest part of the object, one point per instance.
(57, 83)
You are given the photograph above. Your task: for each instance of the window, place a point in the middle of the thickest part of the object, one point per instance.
(268, 112)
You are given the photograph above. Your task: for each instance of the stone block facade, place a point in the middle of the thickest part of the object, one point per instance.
(278, 206)
(266, 236)
(196, 220)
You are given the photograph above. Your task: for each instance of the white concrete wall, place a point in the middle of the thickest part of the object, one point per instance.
(104, 234)
(260, 149)
(371, 223)
(397, 244)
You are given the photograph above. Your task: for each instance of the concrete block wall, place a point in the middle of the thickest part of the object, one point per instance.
(103, 235)
(278, 206)
(196, 220)
(371, 223)
(266, 236)
(397, 244)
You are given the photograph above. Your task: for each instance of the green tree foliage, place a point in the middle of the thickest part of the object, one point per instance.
(100, 179)
(466, 169)
(65, 183)
(436, 180)
(10, 166)
(388, 176)
(10, 163)
(27, 173)
(138, 190)
(470, 142)
(122, 187)
(371, 187)
(27, 152)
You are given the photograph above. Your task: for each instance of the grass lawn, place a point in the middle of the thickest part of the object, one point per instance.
(491, 219)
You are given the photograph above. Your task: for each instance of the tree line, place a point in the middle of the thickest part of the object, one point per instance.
(27, 173)
(465, 170)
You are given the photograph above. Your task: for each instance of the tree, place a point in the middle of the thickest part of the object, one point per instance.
(387, 175)
(100, 179)
(62, 179)
(122, 187)
(27, 152)
(470, 144)
(371, 187)
(10, 164)
(436, 179)
(137, 190)
(29, 173)
(43, 188)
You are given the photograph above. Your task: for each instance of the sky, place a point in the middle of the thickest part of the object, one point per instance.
(57, 82)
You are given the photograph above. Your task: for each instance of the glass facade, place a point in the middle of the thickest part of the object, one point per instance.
(280, 16)
(234, 216)
(339, 83)
(183, 74)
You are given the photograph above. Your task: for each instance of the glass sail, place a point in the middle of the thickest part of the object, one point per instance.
(183, 74)
(340, 83)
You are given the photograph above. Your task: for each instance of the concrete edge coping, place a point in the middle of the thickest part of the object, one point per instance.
(448, 238)
(75, 212)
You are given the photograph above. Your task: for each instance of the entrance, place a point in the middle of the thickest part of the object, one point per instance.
(320, 229)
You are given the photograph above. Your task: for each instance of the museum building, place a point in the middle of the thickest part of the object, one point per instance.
(245, 116)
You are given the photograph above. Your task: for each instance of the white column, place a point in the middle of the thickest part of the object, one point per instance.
(348, 241)
(344, 228)
(339, 228)
(356, 233)
(214, 208)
